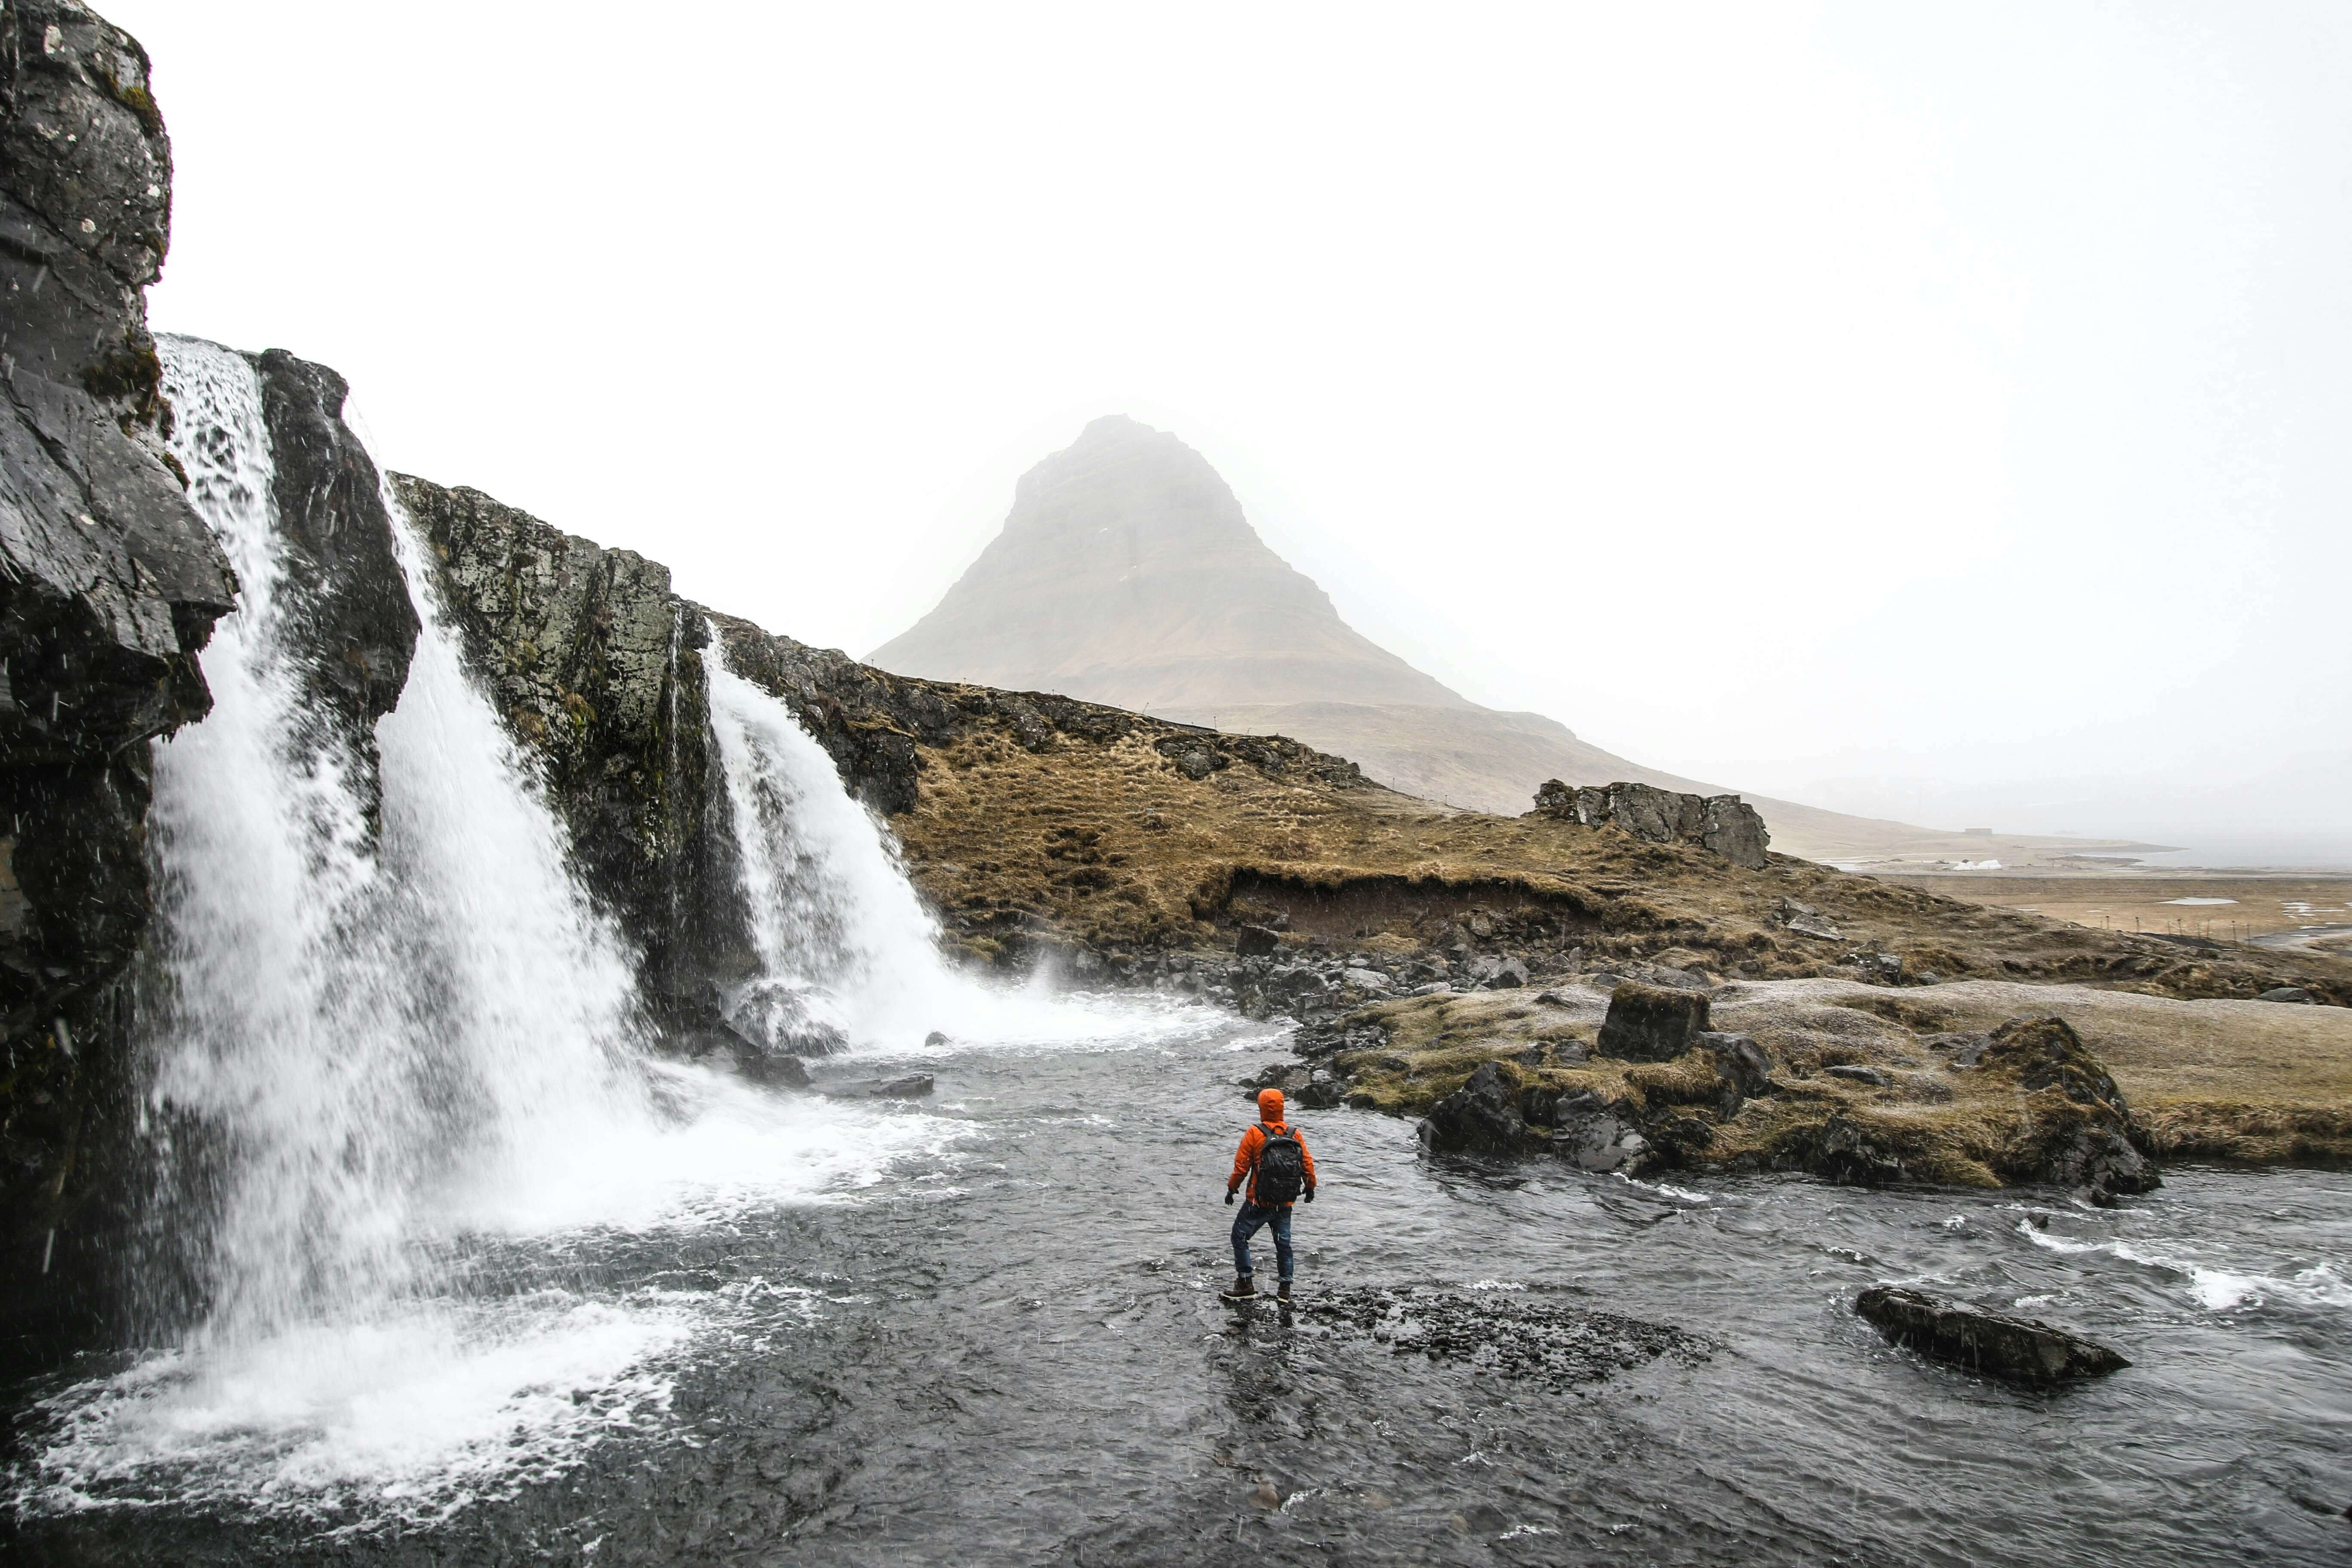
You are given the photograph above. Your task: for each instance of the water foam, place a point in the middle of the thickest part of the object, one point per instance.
(2215, 1289)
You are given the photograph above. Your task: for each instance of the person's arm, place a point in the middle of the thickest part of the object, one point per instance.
(1306, 1154)
(1243, 1158)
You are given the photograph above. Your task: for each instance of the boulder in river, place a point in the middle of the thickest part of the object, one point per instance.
(774, 1068)
(1591, 1137)
(1651, 1023)
(2022, 1349)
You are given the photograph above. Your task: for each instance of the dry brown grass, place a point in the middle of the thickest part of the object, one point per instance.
(1111, 843)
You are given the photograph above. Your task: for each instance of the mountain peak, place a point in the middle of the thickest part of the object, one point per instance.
(1127, 572)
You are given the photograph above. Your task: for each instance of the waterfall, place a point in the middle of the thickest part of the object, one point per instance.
(350, 1025)
(393, 1079)
(847, 954)
(849, 958)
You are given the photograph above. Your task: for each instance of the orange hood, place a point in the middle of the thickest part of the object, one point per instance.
(1269, 1105)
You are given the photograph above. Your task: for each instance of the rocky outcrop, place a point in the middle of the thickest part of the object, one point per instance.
(595, 663)
(2075, 1130)
(1721, 822)
(108, 584)
(2021, 1350)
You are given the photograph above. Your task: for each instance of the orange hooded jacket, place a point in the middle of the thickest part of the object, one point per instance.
(1269, 1113)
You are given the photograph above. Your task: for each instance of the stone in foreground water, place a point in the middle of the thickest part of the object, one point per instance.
(2024, 1349)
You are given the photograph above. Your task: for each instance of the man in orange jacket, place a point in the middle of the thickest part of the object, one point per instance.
(1275, 1160)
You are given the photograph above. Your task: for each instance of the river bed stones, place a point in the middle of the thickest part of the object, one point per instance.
(2021, 1350)
(1502, 1332)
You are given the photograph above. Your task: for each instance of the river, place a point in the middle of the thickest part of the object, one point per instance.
(985, 1329)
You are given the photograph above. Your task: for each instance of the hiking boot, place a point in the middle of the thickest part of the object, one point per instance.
(1282, 1291)
(1244, 1288)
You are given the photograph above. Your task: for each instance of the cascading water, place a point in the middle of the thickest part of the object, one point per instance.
(380, 1060)
(848, 955)
(396, 1082)
(359, 1026)
(283, 1031)
(846, 952)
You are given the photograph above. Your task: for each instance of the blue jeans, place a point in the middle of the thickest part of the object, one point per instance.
(1245, 1226)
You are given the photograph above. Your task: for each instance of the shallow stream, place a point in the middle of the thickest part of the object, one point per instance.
(985, 1329)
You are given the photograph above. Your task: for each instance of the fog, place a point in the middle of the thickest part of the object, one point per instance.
(1930, 412)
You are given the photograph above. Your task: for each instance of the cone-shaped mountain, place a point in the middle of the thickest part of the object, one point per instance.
(1126, 574)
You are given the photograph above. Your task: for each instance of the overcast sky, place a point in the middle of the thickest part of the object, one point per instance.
(1943, 412)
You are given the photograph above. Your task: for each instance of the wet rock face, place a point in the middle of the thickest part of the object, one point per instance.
(109, 583)
(2021, 1350)
(1721, 822)
(351, 600)
(1651, 1023)
(593, 661)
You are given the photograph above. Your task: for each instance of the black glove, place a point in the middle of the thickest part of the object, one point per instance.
(1229, 1197)
(1310, 1194)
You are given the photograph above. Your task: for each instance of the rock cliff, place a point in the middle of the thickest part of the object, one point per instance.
(108, 586)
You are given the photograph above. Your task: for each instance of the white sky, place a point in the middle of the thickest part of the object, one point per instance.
(1940, 411)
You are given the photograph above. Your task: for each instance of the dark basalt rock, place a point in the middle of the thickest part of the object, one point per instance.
(1744, 1064)
(351, 600)
(774, 1069)
(1651, 1023)
(1481, 1117)
(1842, 1150)
(109, 583)
(913, 1086)
(1254, 942)
(2022, 1349)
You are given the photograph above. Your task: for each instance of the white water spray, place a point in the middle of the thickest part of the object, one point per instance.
(368, 1029)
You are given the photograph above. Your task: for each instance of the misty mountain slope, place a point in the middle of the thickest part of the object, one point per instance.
(1126, 573)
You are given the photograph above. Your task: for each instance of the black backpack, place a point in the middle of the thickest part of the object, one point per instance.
(1281, 1169)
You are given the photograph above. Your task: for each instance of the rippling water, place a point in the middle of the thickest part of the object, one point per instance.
(985, 1329)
